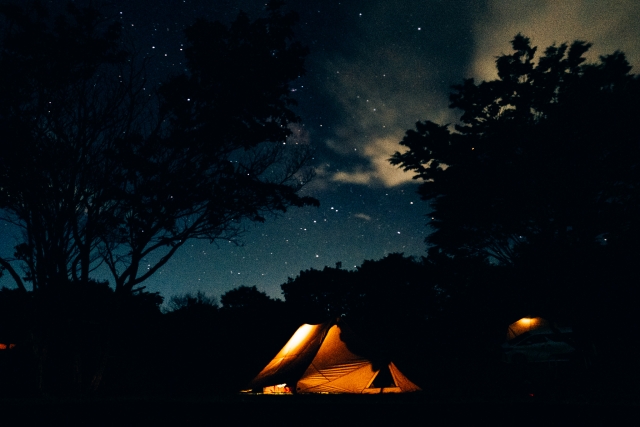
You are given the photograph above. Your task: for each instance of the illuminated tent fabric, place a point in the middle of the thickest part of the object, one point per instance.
(290, 363)
(318, 359)
(526, 324)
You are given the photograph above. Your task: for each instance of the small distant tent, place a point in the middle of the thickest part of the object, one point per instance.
(326, 358)
(526, 324)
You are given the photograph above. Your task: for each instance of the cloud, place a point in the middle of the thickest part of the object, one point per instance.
(609, 25)
(379, 172)
(392, 66)
(320, 181)
(385, 90)
(299, 135)
(363, 216)
(380, 95)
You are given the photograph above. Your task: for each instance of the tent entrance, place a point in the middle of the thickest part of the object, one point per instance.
(383, 382)
(383, 379)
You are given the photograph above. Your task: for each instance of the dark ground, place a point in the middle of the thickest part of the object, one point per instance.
(322, 410)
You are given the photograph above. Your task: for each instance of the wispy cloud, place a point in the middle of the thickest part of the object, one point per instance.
(396, 65)
(609, 25)
(363, 216)
(381, 96)
(378, 172)
(392, 66)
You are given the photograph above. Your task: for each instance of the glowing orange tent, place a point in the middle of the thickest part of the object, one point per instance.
(526, 324)
(321, 359)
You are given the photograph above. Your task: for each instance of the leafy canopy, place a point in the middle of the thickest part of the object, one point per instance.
(545, 156)
(98, 167)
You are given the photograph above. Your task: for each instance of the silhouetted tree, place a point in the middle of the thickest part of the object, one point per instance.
(68, 335)
(393, 289)
(387, 302)
(316, 296)
(546, 155)
(397, 296)
(68, 93)
(189, 301)
(97, 167)
(245, 298)
(253, 329)
(193, 351)
(540, 178)
(220, 155)
(93, 171)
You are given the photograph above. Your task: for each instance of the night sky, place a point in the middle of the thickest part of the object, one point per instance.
(375, 67)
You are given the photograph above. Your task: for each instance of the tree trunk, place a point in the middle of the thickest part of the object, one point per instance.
(97, 376)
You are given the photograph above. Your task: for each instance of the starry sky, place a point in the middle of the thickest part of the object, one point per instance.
(375, 68)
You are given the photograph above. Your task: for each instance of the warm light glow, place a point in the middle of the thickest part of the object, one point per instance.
(524, 325)
(297, 338)
(530, 323)
(276, 389)
(3, 346)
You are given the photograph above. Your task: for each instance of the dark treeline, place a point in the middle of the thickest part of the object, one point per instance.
(104, 164)
(93, 341)
(442, 322)
(534, 195)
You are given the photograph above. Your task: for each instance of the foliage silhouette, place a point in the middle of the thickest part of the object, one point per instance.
(386, 302)
(318, 295)
(252, 330)
(247, 298)
(189, 301)
(190, 359)
(97, 167)
(69, 335)
(546, 156)
(68, 92)
(372, 293)
(540, 182)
